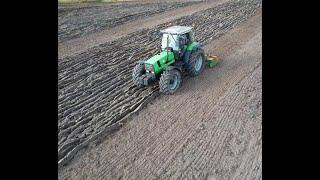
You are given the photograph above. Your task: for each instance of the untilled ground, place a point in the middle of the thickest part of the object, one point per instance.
(210, 129)
(96, 93)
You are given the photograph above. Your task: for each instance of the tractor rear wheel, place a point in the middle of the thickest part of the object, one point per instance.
(170, 81)
(137, 72)
(196, 62)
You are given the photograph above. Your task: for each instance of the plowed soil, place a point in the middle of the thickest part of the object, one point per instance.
(76, 21)
(83, 43)
(211, 128)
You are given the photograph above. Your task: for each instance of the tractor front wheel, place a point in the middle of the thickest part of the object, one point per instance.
(138, 71)
(170, 81)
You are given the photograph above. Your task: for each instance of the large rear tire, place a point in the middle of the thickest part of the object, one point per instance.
(170, 81)
(137, 72)
(196, 62)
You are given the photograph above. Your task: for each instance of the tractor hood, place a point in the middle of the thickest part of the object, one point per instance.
(158, 57)
(160, 61)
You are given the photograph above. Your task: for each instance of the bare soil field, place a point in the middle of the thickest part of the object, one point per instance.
(210, 129)
(96, 94)
(76, 21)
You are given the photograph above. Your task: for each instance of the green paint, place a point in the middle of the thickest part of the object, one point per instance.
(192, 45)
(165, 58)
(185, 47)
(211, 61)
(160, 61)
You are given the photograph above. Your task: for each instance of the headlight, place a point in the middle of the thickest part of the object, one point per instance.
(149, 67)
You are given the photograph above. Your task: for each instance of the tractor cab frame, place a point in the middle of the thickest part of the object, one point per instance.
(176, 39)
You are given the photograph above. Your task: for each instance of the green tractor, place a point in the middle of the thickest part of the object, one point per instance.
(179, 53)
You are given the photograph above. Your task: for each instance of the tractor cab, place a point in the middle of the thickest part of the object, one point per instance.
(176, 39)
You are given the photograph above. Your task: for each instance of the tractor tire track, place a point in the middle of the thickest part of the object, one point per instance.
(95, 90)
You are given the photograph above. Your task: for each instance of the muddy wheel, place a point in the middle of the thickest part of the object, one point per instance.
(196, 63)
(170, 81)
(137, 72)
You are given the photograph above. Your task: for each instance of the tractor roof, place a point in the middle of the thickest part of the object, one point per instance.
(177, 30)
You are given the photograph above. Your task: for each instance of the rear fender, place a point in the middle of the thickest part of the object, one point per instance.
(191, 48)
